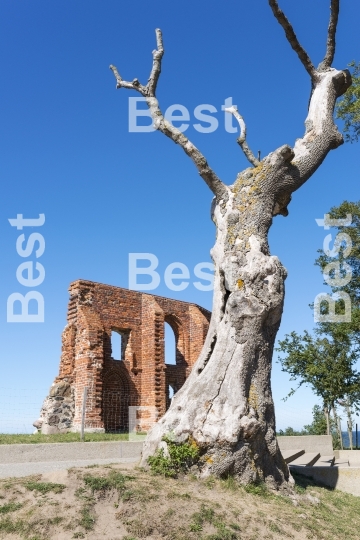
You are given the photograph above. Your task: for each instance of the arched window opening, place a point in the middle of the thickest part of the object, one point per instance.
(170, 345)
(116, 401)
(171, 392)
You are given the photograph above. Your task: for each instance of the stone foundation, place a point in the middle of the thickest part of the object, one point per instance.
(57, 412)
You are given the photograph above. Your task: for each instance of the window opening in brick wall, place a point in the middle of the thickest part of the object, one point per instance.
(170, 345)
(116, 345)
(171, 392)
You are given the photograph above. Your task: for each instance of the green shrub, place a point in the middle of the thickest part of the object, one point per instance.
(181, 457)
(97, 483)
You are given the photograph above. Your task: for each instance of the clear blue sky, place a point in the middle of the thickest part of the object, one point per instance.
(66, 152)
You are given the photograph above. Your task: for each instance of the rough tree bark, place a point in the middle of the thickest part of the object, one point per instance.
(226, 404)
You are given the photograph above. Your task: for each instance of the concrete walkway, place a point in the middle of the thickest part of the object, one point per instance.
(26, 469)
(27, 459)
(313, 456)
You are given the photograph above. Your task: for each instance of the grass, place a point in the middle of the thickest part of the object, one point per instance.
(136, 504)
(13, 527)
(10, 507)
(207, 515)
(61, 438)
(87, 518)
(100, 485)
(44, 487)
(20, 527)
(258, 489)
(114, 480)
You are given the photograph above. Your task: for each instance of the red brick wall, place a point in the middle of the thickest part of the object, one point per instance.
(141, 377)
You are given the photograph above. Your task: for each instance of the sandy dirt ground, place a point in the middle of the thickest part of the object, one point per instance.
(123, 502)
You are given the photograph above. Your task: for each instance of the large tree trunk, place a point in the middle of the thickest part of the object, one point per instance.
(226, 404)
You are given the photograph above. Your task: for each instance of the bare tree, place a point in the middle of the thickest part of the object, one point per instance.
(226, 405)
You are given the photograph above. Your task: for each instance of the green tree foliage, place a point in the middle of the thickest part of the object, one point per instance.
(353, 259)
(351, 403)
(352, 329)
(326, 360)
(324, 363)
(348, 107)
(289, 432)
(318, 425)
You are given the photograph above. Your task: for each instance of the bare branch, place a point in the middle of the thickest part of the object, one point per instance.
(160, 123)
(120, 83)
(241, 140)
(150, 88)
(330, 46)
(292, 39)
(156, 68)
(219, 189)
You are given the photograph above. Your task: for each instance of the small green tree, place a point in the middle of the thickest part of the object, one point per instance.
(325, 363)
(348, 107)
(352, 288)
(352, 259)
(289, 431)
(318, 426)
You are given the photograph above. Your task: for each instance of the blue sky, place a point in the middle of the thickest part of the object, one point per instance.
(66, 151)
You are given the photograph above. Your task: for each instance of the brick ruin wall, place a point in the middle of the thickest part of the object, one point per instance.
(139, 378)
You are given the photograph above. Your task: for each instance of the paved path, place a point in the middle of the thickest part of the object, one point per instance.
(26, 469)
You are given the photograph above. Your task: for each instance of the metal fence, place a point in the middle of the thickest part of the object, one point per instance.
(125, 413)
(121, 412)
(19, 408)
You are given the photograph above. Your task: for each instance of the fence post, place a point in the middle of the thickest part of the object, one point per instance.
(83, 414)
(356, 437)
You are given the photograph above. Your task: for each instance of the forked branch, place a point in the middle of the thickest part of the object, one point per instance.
(330, 46)
(150, 89)
(292, 39)
(160, 123)
(120, 83)
(241, 140)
